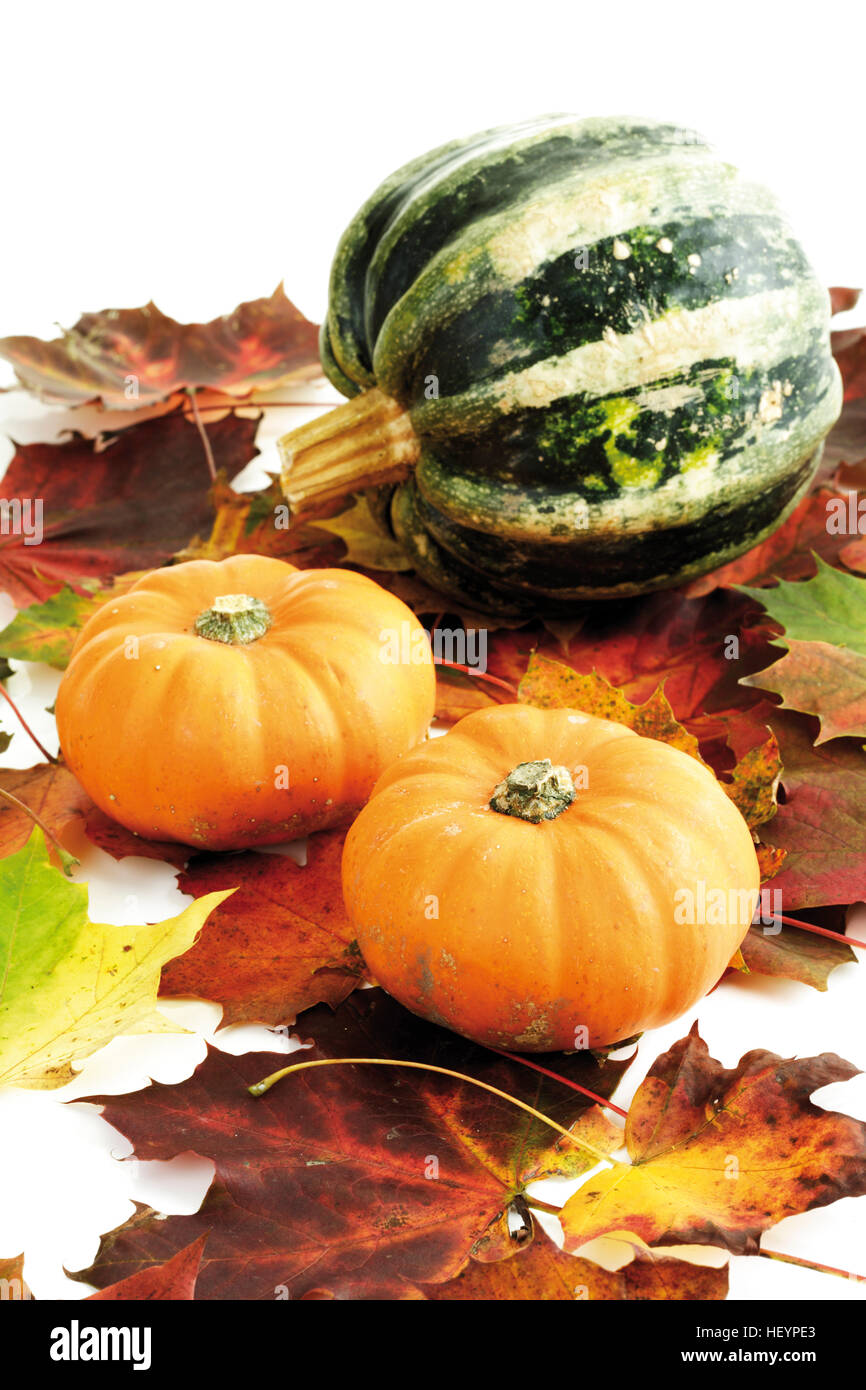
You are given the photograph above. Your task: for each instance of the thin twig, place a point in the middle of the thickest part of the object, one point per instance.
(25, 726)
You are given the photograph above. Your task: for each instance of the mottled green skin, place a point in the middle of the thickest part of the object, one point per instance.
(686, 460)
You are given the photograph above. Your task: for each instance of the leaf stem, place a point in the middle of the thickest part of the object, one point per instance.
(822, 931)
(25, 726)
(208, 452)
(536, 1204)
(554, 1076)
(480, 675)
(811, 1264)
(67, 860)
(260, 1087)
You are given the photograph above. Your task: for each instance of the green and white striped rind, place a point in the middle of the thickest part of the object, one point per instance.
(611, 346)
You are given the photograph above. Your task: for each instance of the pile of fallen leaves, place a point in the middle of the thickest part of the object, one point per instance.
(758, 669)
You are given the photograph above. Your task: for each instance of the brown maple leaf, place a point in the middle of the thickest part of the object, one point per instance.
(174, 1280)
(823, 679)
(127, 503)
(842, 298)
(820, 825)
(51, 792)
(544, 1273)
(719, 1156)
(792, 954)
(128, 358)
(353, 1181)
(697, 649)
(285, 943)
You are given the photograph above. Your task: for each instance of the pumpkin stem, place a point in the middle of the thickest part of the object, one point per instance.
(234, 618)
(534, 791)
(364, 443)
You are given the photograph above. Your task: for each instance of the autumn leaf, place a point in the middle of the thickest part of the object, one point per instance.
(842, 299)
(851, 477)
(459, 693)
(550, 685)
(719, 1156)
(280, 944)
(770, 860)
(821, 824)
(51, 792)
(792, 954)
(365, 541)
(175, 1279)
(128, 358)
(127, 505)
(257, 523)
(824, 669)
(697, 649)
(828, 608)
(755, 781)
(818, 678)
(844, 443)
(357, 1180)
(12, 1285)
(47, 631)
(69, 985)
(544, 1273)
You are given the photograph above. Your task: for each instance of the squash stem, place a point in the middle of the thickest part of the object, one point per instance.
(267, 1082)
(364, 443)
(534, 791)
(236, 619)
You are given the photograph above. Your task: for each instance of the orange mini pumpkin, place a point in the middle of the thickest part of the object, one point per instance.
(242, 702)
(544, 880)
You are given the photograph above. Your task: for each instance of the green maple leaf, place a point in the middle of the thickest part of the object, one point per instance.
(823, 671)
(47, 631)
(69, 985)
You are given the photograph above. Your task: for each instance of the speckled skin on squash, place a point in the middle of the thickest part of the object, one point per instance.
(611, 348)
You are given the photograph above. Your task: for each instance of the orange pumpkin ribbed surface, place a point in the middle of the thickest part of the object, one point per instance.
(603, 892)
(242, 702)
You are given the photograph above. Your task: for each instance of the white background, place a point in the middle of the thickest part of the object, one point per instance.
(196, 154)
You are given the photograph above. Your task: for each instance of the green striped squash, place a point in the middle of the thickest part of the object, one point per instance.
(590, 354)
